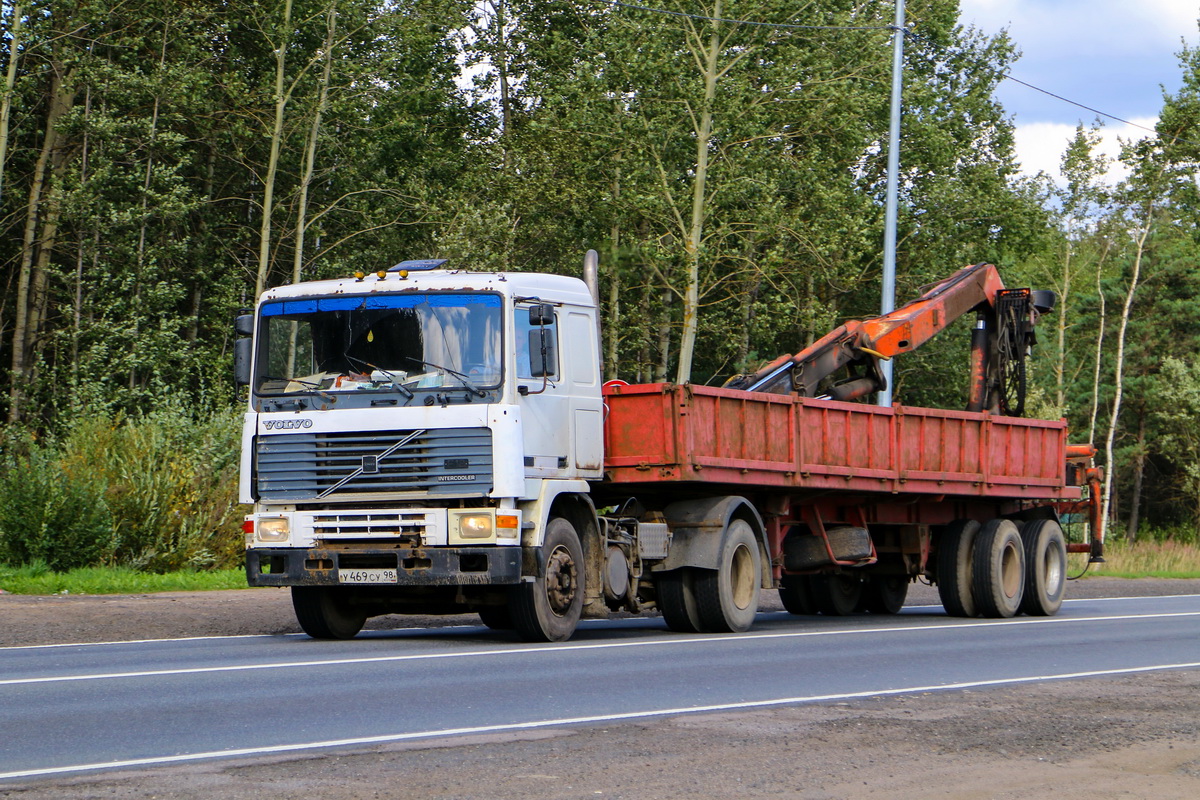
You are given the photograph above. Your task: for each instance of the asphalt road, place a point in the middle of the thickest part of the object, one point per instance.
(72, 709)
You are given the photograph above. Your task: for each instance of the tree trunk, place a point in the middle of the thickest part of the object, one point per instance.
(1060, 360)
(310, 160)
(1099, 344)
(612, 325)
(1139, 471)
(24, 324)
(80, 253)
(664, 339)
(140, 262)
(695, 235)
(502, 78)
(10, 80)
(1118, 383)
(281, 97)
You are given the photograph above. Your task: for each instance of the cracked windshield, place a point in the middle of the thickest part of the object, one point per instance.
(400, 343)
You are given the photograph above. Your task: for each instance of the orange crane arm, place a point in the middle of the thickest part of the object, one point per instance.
(862, 343)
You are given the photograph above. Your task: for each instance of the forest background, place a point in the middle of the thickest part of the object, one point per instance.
(163, 162)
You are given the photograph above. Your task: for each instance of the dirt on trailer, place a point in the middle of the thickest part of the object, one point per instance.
(1133, 737)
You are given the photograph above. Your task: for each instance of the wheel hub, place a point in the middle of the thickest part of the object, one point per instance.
(561, 580)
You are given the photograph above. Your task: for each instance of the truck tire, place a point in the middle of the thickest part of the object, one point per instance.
(498, 618)
(807, 551)
(548, 608)
(837, 595)
(727, 597)
(325, 613)
(998, 574)
(795, 592)
(1045, 567)
(955, 557)
(677, 599)
(885, 594)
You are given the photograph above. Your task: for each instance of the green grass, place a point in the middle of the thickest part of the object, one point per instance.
(39, 579)
(1150, 559)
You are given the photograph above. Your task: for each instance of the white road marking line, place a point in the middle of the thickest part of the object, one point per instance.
(738, 638)
(11, 648)
(624, 717)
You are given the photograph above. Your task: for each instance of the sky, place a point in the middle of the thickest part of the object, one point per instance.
(1115, 56)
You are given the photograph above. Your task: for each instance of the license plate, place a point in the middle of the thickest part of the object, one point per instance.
(367, 576)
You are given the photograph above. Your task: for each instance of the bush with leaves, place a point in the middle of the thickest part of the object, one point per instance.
(157, 493)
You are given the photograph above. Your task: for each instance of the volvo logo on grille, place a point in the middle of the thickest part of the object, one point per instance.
(370, 465)
(287, 424)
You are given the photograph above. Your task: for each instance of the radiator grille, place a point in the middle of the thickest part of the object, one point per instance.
(368, 524)
(329, 466)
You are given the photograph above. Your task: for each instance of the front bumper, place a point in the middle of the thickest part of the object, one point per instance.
(418, 566)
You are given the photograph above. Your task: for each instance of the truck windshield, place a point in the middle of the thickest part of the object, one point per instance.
(381, 343)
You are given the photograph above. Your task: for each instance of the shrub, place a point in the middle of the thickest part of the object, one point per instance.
(49, 515)
(158, 493)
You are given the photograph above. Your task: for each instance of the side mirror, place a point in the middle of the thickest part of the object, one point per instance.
(543, 354)
(242, 353)
(243, 325)
(541, 314)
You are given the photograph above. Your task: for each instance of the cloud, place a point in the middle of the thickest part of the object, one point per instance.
(1078, 24)
(1040, 146)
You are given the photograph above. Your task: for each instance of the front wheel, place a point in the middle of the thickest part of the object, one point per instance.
(325, 612)
(548, 608)
(497, 618)
(727, 597)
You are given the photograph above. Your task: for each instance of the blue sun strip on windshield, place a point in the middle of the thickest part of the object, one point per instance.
(373, 302)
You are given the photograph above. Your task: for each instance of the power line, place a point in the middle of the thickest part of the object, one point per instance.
(1047, 92)
(1079, 105)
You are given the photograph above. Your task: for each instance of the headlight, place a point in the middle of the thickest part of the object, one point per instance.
(475, 526)
(273, 529)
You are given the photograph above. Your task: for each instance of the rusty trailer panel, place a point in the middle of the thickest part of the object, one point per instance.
(659, 433)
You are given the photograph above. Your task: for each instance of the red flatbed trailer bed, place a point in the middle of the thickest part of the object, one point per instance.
(665, 433)
(822, 462)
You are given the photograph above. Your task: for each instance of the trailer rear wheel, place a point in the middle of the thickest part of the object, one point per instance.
(1045, 567)
(999, 569)
(955, 558)
(795, 592)
(677, 599)
(727, 597)
(885, 594)
(837, 595)
(548, 608)
(324, 612)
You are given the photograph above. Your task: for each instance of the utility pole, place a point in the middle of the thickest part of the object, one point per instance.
(888, 301)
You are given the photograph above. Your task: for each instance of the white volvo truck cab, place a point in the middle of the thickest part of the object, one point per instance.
(420, 440)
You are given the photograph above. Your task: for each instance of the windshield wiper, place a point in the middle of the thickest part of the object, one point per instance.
(461, 376)
(396, 384)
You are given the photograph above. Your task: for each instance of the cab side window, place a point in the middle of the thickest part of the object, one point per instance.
(523, 331)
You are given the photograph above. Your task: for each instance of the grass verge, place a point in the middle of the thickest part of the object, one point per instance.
(1150, 559)
(39, 579)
